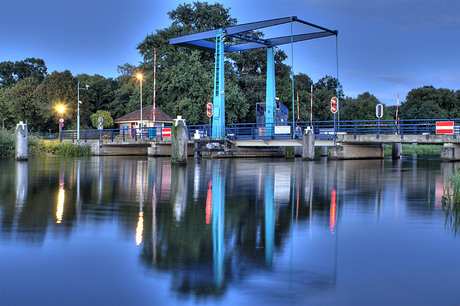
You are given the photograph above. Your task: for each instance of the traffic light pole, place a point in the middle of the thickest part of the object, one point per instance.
(335, 130)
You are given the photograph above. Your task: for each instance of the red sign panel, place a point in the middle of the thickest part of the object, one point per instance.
(166, 132)
(445, 127)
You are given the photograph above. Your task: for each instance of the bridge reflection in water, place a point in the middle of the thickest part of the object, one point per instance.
(217, 223)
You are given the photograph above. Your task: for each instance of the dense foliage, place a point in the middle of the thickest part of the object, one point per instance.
(185, 79)
(38, 147)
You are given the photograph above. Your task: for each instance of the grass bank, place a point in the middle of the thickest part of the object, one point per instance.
(408, 149)
(451, 201)
(41, 148)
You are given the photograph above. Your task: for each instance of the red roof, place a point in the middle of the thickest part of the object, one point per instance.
(147, 114)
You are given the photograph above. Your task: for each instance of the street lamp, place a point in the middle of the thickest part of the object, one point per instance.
(78, 108)
(140, 76)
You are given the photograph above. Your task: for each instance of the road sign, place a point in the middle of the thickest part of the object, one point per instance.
(61, 120)
(61, 124)
(445, 127)
(166, 132)
(100, 119)
(100, 126)
(209, 109)
(379, 110)
(334, 105)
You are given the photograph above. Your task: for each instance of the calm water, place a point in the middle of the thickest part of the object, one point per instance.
(138, 231)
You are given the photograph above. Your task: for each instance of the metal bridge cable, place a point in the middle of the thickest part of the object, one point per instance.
(292, 80)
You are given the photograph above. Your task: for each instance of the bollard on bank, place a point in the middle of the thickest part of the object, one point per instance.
(21, 141)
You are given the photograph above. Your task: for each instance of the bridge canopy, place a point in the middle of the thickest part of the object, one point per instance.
(200, 40)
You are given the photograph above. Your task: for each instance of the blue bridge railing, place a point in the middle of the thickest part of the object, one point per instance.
(240, 131)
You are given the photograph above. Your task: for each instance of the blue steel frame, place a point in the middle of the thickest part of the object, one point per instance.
(199, 41)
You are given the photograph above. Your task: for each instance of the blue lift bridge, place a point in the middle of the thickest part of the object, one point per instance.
(200, 41)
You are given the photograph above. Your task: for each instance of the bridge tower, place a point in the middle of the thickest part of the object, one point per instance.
(199, 41)
(218, 118)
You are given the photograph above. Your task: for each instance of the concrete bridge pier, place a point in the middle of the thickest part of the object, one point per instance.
(357, 151)
(396, 150)
(324, 151)
(179, 142)
(450, 152)
(308, 145)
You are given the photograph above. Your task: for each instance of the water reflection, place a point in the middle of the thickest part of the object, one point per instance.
(221, 222)
(60, 199)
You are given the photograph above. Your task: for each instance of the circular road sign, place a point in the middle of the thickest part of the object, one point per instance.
(61, 120)
(100, 119)
(61, 124)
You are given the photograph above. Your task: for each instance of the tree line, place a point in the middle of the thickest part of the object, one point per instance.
(184, 79)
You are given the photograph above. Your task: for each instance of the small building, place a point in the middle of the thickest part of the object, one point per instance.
(132, 120)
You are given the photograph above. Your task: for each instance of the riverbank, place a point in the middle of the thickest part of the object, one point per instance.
(41, 148)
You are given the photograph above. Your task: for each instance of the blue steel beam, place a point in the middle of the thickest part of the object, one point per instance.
(270, 94)
(218, 118)
(198, 40)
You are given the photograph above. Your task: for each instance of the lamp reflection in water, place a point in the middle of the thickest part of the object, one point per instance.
(333, 210)
(140, 228)
(209, 202)
(140, 221)
(218, 220)
(61, 197)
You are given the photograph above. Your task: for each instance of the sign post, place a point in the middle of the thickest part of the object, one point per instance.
(378, 114)
(209, 108)
(334, 108)
(61, 125)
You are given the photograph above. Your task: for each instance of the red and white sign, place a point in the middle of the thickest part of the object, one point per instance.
(166, 132)
(445, 127)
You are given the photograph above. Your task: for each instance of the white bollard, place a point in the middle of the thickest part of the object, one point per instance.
(21, 139)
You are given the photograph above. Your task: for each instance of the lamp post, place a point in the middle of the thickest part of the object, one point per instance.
(139, 76)
(60, 108)
(78, 108)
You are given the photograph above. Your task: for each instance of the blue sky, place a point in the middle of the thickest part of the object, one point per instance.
(386, 47)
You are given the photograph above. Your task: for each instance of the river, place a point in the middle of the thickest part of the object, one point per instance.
(139, 231)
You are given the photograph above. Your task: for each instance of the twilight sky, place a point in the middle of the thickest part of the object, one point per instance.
(385, 47)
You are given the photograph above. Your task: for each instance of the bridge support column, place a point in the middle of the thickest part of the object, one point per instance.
(270, 96)
(396, 150)
(179, 141)
(450, 152)
(323, 151)
(357, 151)
(308, 145)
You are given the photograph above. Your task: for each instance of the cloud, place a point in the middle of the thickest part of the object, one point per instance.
(407, 79)
(405, 15)
(352, 73)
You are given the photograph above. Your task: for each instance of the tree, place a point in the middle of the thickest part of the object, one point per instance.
(5, 109)
(361, 108)
(430, 103)
(11, 73)
(186, 76)
(99, 96)
(105, 115)
(57, 88)
(21, 102)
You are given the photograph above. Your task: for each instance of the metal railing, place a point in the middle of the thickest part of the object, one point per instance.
(240, 131)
